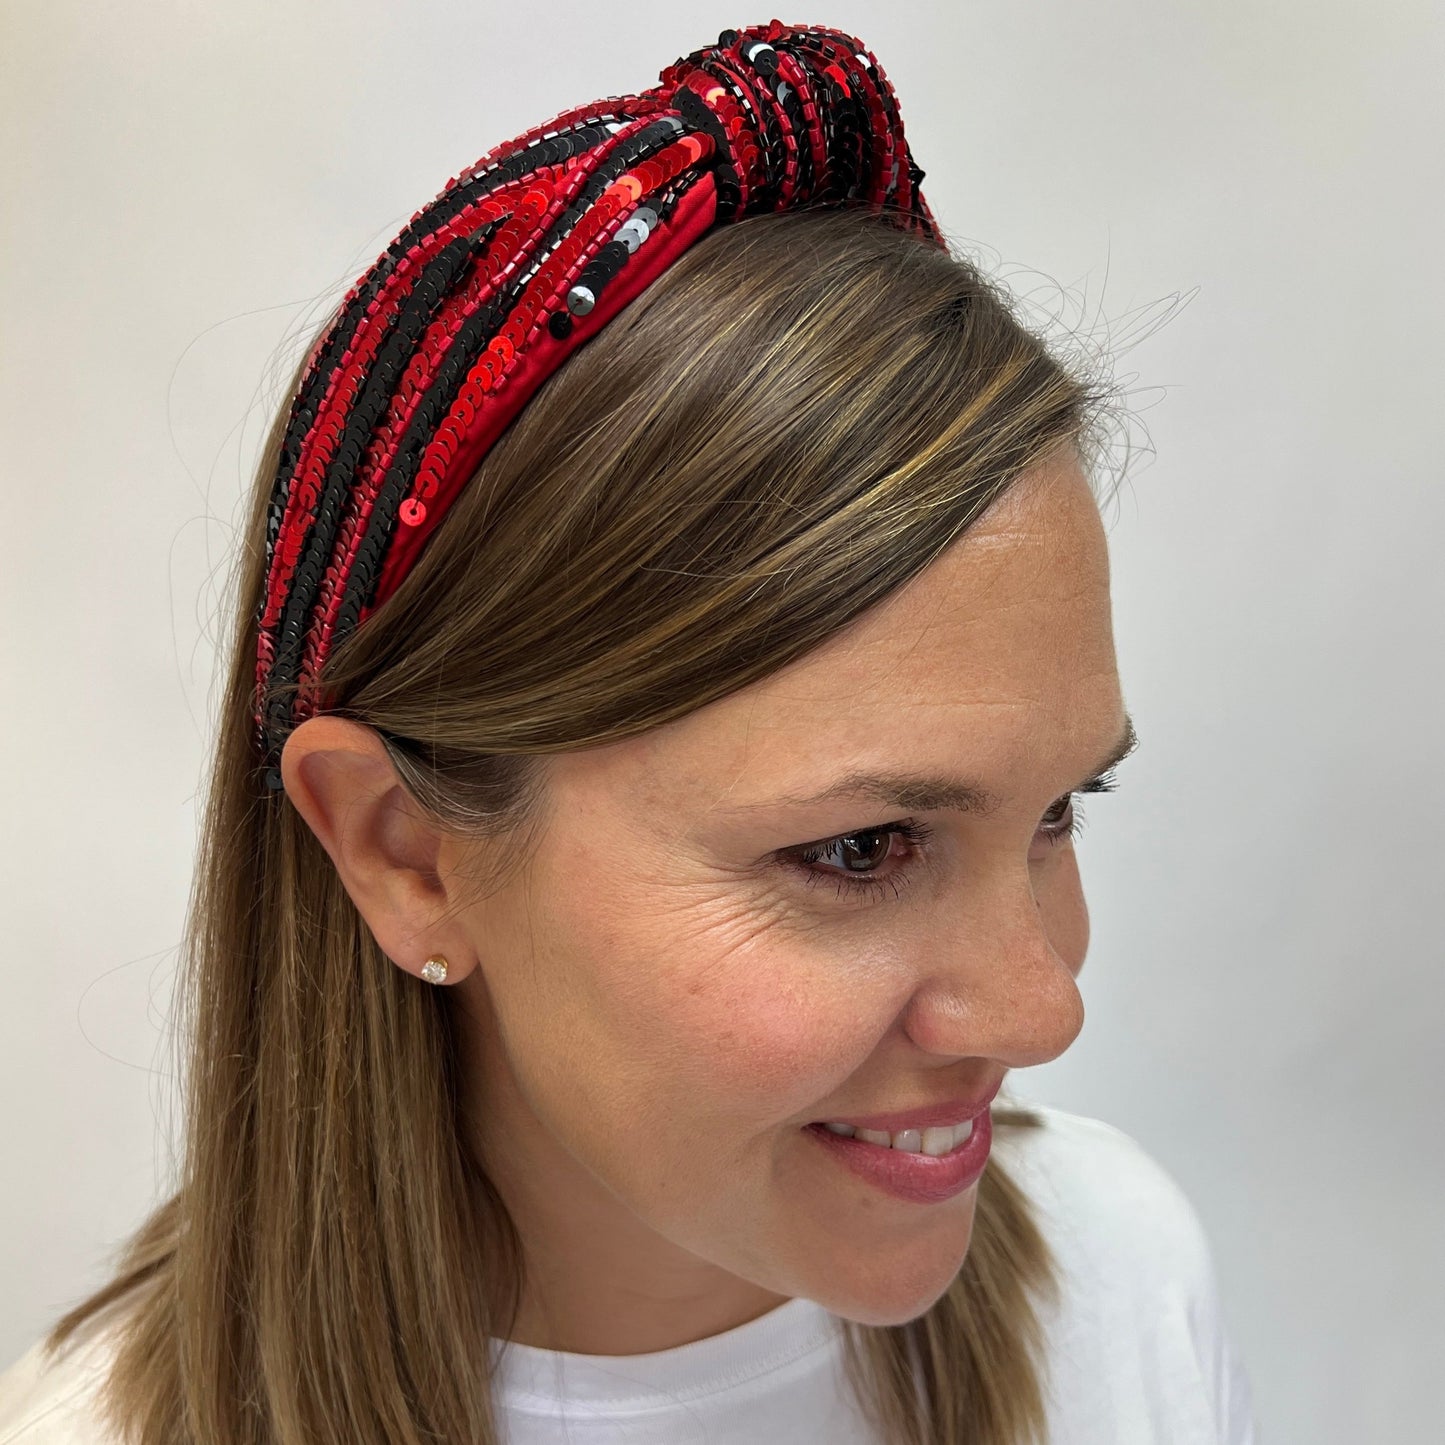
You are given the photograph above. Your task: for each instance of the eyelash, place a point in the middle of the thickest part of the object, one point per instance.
(918, 833)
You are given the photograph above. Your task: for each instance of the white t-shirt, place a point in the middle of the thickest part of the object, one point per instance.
(1138, 1350)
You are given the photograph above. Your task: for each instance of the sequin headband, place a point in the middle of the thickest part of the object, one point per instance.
(521, 259)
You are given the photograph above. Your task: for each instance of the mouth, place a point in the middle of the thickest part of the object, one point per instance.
(935, 1141)
(904, 1169)
(945, 1114)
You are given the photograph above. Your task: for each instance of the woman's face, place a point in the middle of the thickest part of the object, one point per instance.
(667, 996)
(655, 1007)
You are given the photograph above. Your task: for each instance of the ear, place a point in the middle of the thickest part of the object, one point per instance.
(340, 779)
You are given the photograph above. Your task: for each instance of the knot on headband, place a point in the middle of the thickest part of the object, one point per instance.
(518, 261)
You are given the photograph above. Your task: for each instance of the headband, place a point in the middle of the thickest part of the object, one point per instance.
(521, 259)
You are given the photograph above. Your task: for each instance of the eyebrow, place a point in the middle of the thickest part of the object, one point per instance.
(919, 792)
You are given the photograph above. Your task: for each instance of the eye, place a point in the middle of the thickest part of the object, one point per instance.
(1066, 819)
(863, 845)
(1063, 821)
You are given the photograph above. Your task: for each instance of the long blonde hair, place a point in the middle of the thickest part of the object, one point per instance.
(793, 420)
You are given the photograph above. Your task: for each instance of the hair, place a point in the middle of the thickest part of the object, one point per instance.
(794, 419)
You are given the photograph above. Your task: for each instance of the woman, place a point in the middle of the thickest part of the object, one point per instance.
(620, 906)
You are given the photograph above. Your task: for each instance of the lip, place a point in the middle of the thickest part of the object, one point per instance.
(917, 1178)
(924, 1116)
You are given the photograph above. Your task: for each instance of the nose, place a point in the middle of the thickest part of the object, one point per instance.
(997, 988)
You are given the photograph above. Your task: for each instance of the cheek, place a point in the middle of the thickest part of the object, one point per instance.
(744, 1028)
(775, 1025)
(721, 1004)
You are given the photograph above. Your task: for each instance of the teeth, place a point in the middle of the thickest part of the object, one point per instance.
(912, 1141)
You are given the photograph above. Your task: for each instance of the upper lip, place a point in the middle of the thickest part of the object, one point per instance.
(922, 1116)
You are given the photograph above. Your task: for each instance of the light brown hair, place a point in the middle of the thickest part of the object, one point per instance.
(792, 421)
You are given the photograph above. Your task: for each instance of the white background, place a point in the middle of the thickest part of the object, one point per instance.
(1242, 199)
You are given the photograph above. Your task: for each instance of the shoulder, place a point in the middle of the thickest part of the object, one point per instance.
(1141, 1350)
(52, 1399)
(1105, 1198)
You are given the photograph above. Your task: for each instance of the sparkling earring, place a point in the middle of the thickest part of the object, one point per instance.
(434, 970)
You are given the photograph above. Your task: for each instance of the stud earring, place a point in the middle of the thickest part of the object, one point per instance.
(434, 970)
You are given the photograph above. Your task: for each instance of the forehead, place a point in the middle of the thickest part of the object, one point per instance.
(1001, 646)
(1022, 594)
